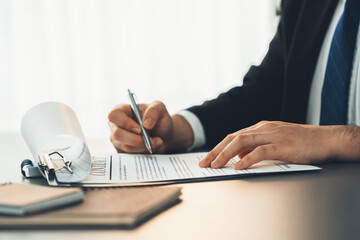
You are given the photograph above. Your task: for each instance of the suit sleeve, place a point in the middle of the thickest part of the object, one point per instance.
(259, 98)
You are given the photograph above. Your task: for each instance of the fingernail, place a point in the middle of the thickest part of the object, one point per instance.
(136, 130)
(158, 142)
(148, 122)
(239, 166)
(214, 164)
(202, 163)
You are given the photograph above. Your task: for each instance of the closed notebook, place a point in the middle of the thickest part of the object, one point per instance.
(21, 199)
(107, 207)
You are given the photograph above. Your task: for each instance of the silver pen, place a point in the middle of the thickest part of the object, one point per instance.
(137, 111)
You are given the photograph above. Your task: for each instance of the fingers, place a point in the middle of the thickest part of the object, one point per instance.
(121, 135)
(153, 112)
(130, 142)
(233, 145)
(215, 151)
(264, 140)
(260, 153)
(240, 143)
(121, 116)
(132, 149)
(244, 153)
(126, 132)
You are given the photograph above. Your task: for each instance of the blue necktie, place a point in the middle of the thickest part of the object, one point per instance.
(335, 91)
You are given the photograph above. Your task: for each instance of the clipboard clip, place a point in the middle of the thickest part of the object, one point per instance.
(47, 162)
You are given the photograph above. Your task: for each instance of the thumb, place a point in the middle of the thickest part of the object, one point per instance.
(152, 114)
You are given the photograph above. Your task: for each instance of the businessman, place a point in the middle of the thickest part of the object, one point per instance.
(301, 104)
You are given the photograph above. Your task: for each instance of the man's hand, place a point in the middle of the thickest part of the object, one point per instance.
(166, 132)
(294, 143)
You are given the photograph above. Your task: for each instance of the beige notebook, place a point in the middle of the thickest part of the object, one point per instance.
(112, 207)
(21, 199)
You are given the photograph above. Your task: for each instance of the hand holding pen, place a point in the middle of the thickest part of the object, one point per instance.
(165, 132)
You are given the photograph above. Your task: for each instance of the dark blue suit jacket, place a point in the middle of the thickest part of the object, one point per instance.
(277, 89)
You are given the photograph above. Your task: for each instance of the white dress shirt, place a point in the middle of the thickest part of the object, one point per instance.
(313, 111)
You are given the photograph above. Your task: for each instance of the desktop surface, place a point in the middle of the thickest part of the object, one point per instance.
(305, 205)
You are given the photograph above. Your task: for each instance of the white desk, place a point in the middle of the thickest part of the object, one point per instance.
(313, 205)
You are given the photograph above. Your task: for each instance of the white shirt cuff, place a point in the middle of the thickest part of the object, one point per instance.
(197, 128)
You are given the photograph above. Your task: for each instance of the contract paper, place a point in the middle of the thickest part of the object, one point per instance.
(138, 168)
